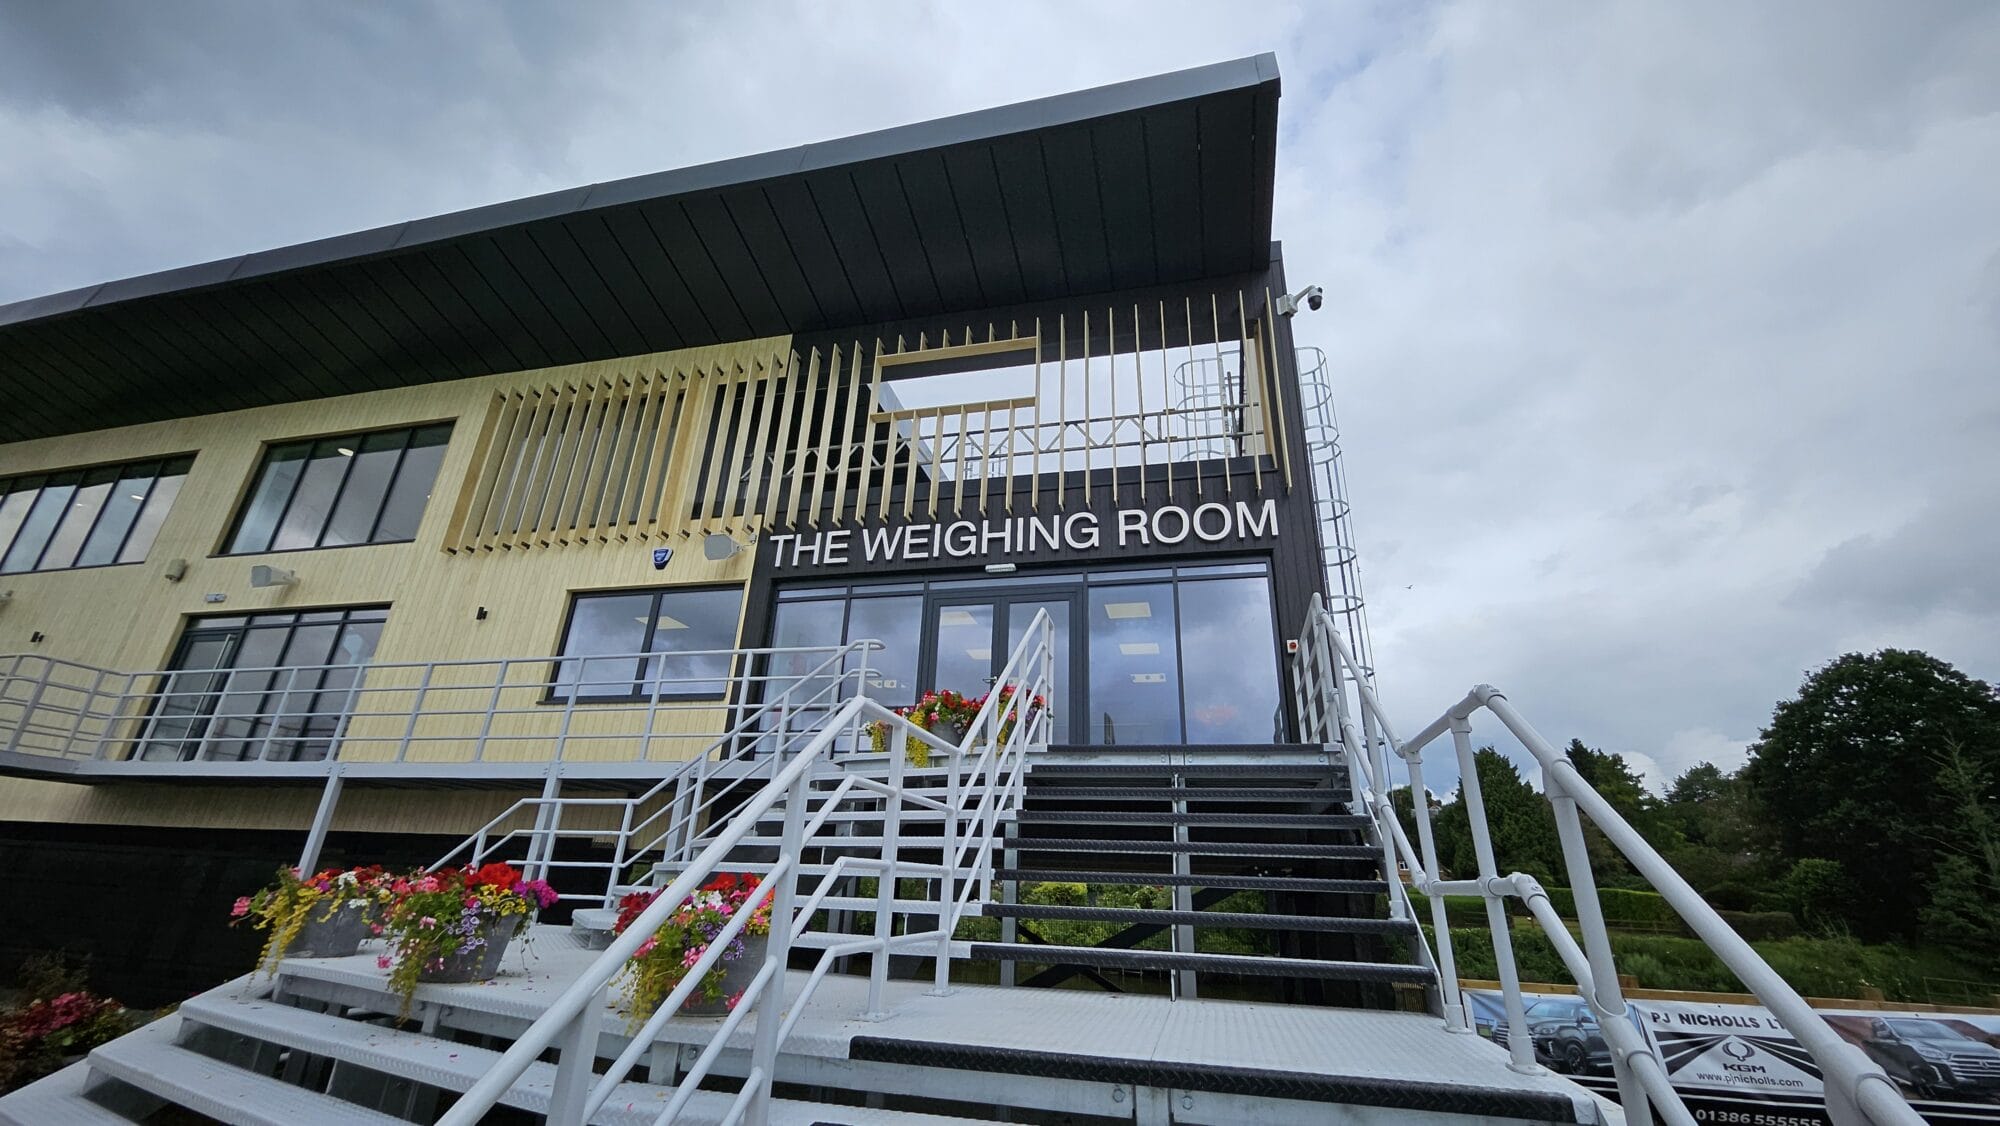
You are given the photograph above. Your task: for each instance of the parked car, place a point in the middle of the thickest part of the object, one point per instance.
(1566, 1036)
(1933, 1059)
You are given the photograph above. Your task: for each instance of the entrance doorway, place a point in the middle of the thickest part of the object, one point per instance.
(973, 634)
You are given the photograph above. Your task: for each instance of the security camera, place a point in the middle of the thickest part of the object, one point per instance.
(1313, 296)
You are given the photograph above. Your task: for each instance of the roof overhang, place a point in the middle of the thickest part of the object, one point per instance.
(1145, 183)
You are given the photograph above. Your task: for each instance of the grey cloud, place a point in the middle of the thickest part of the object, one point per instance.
(1946, 558)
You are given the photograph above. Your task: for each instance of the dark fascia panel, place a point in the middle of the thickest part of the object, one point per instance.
(988, 124)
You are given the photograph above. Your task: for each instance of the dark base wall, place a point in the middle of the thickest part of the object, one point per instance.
(150, 907)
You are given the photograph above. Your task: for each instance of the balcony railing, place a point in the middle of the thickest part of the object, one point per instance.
(63, 715)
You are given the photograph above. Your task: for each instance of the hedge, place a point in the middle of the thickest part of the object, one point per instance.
(1640, 910)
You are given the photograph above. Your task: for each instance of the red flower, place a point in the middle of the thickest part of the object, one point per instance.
(497, 875)
(630, 907)
(723, 882)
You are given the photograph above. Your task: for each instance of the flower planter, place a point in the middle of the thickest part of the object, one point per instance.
(482, 962)
(334, 935)
(737, 974)
(951, 731)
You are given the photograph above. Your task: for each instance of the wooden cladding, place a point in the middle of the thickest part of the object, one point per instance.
(1163, 398)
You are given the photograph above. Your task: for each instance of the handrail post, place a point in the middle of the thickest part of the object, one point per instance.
(339, 735)
(29, 705)
(778, 950)
(885, 883)
(416, 713)
(1378, 760)
(1520, 1050)
(618, 855)
(1454, 1010)
(1605, 998)
(947, 894)
(329, 797)
(577, 1043)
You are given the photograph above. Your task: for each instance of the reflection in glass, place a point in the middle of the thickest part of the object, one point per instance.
(896, 623)
(1019, 615)
(1228, 660)
(353, 518)
(48, 507)
(604, 624)
(964, 648)
(77, 519)
(1134, 685)
(415, 477)
(700, 625)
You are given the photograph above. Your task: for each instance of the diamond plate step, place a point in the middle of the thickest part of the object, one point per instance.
(1199, 880)
(1204, 963)
(150, 1060)
(1057, 771)
(1325, 923)
(1194, 793)
(57, 1100)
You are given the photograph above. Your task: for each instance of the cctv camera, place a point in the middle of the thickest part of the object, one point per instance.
(1315, 297)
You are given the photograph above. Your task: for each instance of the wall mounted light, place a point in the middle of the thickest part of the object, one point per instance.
(6, 596)
(176, 570)
(261, 575)
(716, 546)
(1000, 568)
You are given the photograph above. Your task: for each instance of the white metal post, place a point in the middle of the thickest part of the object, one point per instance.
(316, 837)
(771, 1002)
(1454, 1010)
(575, 1070)
(1606, 998)
(947, 870)
(1520, 1050)
(885, 883)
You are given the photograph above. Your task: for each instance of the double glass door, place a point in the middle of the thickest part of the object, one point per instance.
(971, 635)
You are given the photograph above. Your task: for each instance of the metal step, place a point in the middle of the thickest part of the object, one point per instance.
(1217, 880)
(150, 1060)
(1325, 923)
(1194, 848)
(1234, 820)
(1249, 966)
(57, 1100)
(1055, 772)
(1194, 793)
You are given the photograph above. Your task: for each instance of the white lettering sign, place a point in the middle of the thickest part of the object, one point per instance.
(1169, 524)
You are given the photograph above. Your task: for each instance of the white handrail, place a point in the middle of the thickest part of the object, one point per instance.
(996, 777)
(1858, 1092)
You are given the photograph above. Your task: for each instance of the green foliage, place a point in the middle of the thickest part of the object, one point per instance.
(1964, 913)
(1815, 892)
(1859, 769)
(1522, 829)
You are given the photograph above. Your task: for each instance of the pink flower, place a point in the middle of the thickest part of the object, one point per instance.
(382, 962)
(241, 909)
(427, 884)
(375, 928)
(735, 999)
(427, 921)
(472, 901)
(646, 948)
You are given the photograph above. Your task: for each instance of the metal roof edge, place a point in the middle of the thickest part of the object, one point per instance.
(1054, 111)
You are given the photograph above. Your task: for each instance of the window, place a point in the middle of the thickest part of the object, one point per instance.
(263, 686)
(86, 517)
(333, 492)
(609, 637)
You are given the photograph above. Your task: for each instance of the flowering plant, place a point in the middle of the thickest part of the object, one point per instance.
(35, 1039)
(659, 965)
(1006, 694)
(441, 915)
(284, 908)
(940, 709)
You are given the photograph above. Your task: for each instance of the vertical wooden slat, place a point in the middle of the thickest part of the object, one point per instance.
(472, 501)
(847, 436)
(625, 419)
(782, 466)
(711, 484)
(937, 457)
(1111, 362)
(740, 459)
(517, 451)
(1035, 469)
(1062, 407)
(806, 406)
(529, 488)
(760, 442)
(1089, 438)
(1166, 399)
(1280, 446)
(868, 413)
(674, 396)
(1244, 354)
(645, 414)
(1187, 310)
(826, 409)
(580, 428)
(1139, 371)
(958, 471)
(986, 452)
(684, 476)
(1222, 385)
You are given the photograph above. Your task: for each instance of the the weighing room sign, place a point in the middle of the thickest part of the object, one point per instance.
(1000, 537)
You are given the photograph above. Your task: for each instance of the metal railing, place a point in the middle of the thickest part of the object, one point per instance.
(633, 707)
(1324, 675)
(984, 777)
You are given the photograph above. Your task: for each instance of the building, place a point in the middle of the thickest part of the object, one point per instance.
(541, 522)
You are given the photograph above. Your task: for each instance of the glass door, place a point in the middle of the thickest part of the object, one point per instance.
(972, 635)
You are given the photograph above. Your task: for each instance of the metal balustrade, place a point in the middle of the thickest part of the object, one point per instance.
(984, 778)
(440, 715)
(1336, 705)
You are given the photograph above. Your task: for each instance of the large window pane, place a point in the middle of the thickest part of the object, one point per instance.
(1134, 681)
(694, 624)
(415, 478)
(898, 624)
(1228, 658)
(374, 463)
(275, 482)
(312, 502)
(604, 624)
(127, 497)
(140, 540)
(14, 505)
(41, 522)
(77, 519)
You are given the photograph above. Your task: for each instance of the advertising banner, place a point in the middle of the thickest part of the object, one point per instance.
(1737, 1066)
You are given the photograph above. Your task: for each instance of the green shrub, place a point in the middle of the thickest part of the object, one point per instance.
(1760, 926)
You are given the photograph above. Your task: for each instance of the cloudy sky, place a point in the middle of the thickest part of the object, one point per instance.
(1667, 336)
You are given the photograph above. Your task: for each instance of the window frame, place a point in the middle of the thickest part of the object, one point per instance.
(82, 473)
(226, 549)
(551, 695)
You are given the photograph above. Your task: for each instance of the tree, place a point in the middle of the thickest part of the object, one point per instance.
(1523, 832)
(1712, 837)
(1849, 771)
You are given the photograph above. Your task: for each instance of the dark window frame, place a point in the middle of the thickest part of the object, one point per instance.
(639, 696)
(75, 477)
(227, 548)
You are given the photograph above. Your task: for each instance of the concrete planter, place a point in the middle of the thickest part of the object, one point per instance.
(336, 936)
(481, 963)
(736, 977)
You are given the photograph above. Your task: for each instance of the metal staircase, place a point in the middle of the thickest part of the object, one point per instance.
(904, 979)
